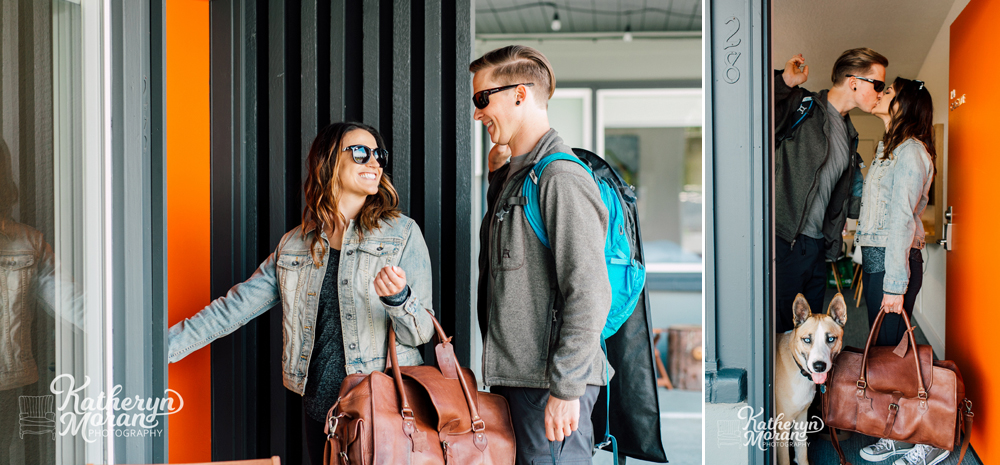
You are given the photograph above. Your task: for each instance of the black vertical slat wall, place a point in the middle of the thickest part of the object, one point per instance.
(282, 70)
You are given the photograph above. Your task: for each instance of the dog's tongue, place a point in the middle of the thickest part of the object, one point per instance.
(819, 378)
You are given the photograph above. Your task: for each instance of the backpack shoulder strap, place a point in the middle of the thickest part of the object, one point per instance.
(529, 191)
(536, 171)
(805, 107)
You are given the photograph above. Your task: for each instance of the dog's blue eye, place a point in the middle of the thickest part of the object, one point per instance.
(807, 340)
(831, 339)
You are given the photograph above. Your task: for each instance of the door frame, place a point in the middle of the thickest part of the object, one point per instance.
(739, 226)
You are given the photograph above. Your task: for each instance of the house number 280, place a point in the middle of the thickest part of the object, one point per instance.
(732, 73)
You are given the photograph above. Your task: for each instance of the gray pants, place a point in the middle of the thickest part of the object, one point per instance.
(527, 411)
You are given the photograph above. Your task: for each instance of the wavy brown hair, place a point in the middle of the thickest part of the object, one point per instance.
(323, 189)
(913, 118)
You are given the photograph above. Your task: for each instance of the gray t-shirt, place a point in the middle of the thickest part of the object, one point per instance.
(516, 163)
(837, 160)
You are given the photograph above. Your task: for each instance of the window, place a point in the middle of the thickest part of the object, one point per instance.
(653, 138)
(52, 232)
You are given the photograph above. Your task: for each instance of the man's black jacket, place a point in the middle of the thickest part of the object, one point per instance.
(798, 158)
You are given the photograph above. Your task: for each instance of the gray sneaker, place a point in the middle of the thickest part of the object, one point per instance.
(884, 449)
(922, 454)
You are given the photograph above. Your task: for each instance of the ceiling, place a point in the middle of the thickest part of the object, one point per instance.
(576, 16)
(902, 30)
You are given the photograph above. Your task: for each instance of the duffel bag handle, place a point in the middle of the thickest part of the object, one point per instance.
(863, 382)
(406, 411)
(478, 425)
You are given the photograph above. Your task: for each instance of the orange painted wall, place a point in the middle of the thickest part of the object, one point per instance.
(188, 218)
(973, 192)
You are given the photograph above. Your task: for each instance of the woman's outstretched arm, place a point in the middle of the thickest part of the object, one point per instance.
(244, 302)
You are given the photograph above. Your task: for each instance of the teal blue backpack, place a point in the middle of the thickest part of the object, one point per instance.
(625, 271)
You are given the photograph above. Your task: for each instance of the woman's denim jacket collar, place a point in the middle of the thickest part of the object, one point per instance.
(290, 276)
(894, 198)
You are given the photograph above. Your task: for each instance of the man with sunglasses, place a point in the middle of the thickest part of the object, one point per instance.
(817, 176)
(541, 310)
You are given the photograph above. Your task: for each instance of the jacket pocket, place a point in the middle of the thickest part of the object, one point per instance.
(293, 275)
(377, 254)
(510, 233)
(18, 274)
(553, 327)
(294, 272)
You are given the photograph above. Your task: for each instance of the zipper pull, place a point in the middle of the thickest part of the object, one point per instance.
(793, 244)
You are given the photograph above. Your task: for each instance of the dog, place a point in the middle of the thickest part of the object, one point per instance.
(804, 356)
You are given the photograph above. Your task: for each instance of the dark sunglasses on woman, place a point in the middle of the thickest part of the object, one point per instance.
(362, 154)
(481, 99)
(879, 85)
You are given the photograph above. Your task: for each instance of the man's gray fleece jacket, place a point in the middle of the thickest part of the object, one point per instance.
(542, 310)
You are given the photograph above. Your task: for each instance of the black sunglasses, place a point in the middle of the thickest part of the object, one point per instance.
(879, 85)
(362, 154)
(481, 99)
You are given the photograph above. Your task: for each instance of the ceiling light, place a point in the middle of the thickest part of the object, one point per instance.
(556, 24)
(628, 33)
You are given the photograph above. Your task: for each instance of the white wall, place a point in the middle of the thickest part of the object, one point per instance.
(929, 310)
(930, 307)
(615, 60)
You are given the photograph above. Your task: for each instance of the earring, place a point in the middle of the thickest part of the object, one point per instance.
(517, 102)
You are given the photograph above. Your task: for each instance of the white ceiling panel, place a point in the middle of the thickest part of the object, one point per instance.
(526, 17)
(902, 30)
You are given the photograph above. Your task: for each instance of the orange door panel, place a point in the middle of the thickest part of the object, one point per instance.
(188, 218)
(973, 193)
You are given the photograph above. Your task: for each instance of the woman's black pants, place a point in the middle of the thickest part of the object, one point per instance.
(893, 327)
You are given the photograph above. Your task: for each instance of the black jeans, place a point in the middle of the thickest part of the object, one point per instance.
(893, 327)
(527, 412)
(801, 269)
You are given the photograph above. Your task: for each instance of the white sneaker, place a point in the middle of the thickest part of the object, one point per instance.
(884, 449)
(922, 454)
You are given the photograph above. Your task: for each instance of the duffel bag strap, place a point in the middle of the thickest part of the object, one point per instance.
(478, 424)
(863, 382)
(966, 429)
(418, 439)
(836, 446)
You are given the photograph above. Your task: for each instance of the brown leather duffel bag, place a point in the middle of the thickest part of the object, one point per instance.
(418, 415)
(898, 393)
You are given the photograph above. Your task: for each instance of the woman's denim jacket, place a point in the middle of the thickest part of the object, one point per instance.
(30, 280)
(895, 195)
(291, 276)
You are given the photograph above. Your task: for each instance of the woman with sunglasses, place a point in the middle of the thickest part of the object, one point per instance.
(891, 234)
(353, 267)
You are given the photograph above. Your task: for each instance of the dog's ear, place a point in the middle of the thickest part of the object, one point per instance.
(838, 310)
(800, 310)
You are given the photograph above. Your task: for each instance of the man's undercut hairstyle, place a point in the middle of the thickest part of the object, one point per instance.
(518, 64)
(856, 61)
